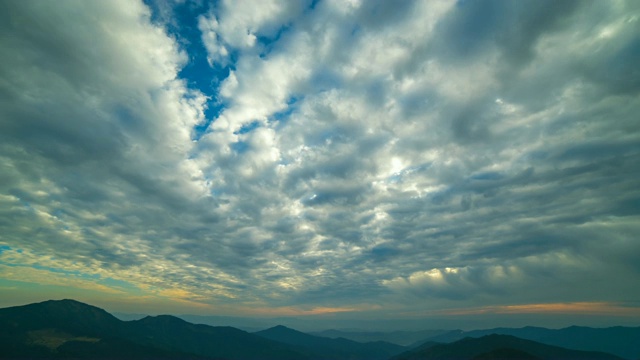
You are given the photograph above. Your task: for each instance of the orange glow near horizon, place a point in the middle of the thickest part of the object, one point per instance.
(293, 311)
(592, 308)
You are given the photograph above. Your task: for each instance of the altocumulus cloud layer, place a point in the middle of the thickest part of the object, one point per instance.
(305, 157)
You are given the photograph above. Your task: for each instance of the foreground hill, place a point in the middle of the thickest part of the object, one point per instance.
(70, 329)
(620, 341)
(498, 347)
(317, 347)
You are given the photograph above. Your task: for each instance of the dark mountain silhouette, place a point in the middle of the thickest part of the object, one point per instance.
(242, 323)
(404, 338)
(620, 341)
(173, 333)
(116, 348)
(317, 347)
(504, 354)
(68, 315)
(70, 329)
(498, 347)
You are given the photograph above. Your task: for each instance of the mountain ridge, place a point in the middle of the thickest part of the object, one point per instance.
(399, 337)
(325, 348)
(164, 336)
(497, 346)
(72, 329)
(617, 340)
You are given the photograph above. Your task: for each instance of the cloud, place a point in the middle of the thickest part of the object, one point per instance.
(364, 155)
(236, 26)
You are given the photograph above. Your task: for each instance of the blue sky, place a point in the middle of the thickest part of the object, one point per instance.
(354, 159)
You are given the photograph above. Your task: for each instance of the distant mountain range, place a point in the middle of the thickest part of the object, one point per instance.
(71, 329)
(405, 338)
(620, 341)
(326, 348)
(498, 347)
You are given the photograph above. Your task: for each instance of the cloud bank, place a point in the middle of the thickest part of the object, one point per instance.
(364, 155)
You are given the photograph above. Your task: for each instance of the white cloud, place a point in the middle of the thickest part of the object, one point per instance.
(361, 150)
(235, 25)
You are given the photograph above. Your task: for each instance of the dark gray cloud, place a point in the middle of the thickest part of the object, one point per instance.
(366, 155)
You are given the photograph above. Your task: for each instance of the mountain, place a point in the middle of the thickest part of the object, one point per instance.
(246, 324)
(130, 316)
(317, 347)
(498, 347)
(68, 315)
(173, 333)
(71, 329)
(620, 341)
(404, 338)
(505, 353)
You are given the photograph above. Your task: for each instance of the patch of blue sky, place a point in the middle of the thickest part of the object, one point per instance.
(4, 248)
(110, 282)
(216, 192)
(197, 72)
(119, 284)
(395, 178)
(211, 113)
(281, 117)
(184, 28)
(399, 176)
(247, 128)
(23, 197)
(420, 167)
(75, 273)
(27, 206)
(313, 4)
(268, 43)
(9, 249)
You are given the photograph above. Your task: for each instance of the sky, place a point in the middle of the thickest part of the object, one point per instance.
(341, 159)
